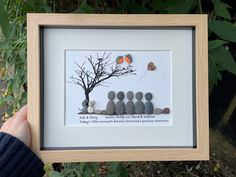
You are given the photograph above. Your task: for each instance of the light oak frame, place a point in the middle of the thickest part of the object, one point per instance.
(199, 22)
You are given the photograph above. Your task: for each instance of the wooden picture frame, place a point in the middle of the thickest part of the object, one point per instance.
(198, 22)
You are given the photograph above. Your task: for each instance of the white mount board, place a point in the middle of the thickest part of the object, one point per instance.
(178, 41)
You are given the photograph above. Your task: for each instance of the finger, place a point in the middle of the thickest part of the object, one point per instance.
(24, 133)
(21, 115)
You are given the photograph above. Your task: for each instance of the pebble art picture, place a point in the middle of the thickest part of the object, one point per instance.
(118, 88)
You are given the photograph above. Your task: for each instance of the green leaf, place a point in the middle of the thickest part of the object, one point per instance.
(4, 21)
(181, 6)
(87, 173)
(115, 174)
(4, 44)
(174, 6)
(213, 70)
(219, 76)
(115, 166)
(85, 8)
(221, 9)
(224, 59)
(124, 173)
(8, 98)
(82, 165)
(223, 29)
(161, 6)
(55, 174)
(123, 3)
(95, 168)
(134, 8)
(215, 44)
(36, 6)
(1, 101)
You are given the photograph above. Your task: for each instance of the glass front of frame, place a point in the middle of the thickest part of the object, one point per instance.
(117, 88)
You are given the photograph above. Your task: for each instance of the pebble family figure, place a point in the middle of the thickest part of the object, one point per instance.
(120, 105)
(111, 108)
(129, 107)
(139, 106)
(148, 104)
(85, 106)
(91, 107)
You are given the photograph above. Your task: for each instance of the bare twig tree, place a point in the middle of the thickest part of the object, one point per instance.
(101, 69)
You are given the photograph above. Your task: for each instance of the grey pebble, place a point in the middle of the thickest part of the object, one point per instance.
(120, 95)
(139, 107)
(85, 103)
(111, 95)
(97, 111)
(130, 95)
(85, 107)
(139, 96)
(157, 111)
(148, 107)
(84, 110)
(129, 107)
(120, 107)
(166, 111)
(148, 96)
(110, 108)
(103, 112)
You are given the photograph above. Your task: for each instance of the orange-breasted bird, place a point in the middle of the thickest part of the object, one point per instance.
(119, 60)
(128, 58)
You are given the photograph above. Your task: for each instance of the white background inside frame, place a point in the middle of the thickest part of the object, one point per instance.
(178, 41)
(157, 82)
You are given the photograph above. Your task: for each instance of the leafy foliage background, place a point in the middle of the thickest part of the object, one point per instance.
(222, 42)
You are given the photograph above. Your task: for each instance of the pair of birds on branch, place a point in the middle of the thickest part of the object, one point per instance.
(127, 58)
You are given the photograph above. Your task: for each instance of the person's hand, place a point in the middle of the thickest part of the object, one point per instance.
(18, 126)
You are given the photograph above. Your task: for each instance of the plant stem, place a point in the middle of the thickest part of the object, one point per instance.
(230, 109)
(54, 6)
(229, 112)
(200, 6)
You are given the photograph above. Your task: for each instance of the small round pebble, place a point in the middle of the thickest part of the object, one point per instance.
(120, 95)
(111, 95)
(85, 103)
(139, 95)
(91, 103)
(103, 112)
(166, 111)
(157, 111)
(97, 111)
(130, 95)
(148, 96)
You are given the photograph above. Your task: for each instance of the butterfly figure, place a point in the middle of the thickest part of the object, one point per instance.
(150, 67)
(127, 58)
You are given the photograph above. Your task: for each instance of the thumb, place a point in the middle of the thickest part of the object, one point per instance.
(21, 115)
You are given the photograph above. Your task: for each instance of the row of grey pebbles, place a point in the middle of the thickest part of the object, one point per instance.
(129, 108)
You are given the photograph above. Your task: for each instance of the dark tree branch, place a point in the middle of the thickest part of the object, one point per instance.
(102, 69)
